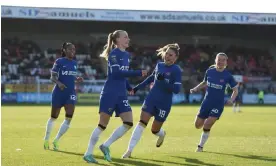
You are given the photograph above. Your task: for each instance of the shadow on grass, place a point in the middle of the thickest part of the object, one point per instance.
(254, 157)
(195, 161)
(164, 162)
(143, 162)
(115, 161)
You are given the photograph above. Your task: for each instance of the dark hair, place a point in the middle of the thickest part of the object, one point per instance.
(64, 47)
(111, 41)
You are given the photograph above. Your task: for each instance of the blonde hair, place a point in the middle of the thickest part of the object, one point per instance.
(218, 54)
(162, 51)
(110, 44)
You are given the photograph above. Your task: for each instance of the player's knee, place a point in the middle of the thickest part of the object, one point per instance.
(68, 115)
(143, 123)
(128, 124)
(206, 130)
(102, 126)
(154, 131)
(198, 126)
(54, 116)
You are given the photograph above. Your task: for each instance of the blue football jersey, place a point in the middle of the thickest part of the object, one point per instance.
(118, 70)
(216, 84)
(67, 72)
(163, 90)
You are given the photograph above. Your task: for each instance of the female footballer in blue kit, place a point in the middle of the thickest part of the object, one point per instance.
(216, 78)
(64, 75)
(114, 94)
(167, 80)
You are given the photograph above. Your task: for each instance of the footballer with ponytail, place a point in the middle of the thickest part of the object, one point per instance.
(110, 44)
(167, 81)
(114, 93)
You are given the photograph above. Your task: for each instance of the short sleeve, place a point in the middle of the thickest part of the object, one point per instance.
(56, 66)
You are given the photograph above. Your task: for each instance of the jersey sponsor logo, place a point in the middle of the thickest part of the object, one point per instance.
(69, 73)
(124, 68)
(212, 85)
(168, 73)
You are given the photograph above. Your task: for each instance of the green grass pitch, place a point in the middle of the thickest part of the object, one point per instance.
(246, 139)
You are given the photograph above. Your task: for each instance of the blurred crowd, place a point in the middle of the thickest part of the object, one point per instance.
(22, 61)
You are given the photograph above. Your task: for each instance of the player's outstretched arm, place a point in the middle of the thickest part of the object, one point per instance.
(143, 84)
(198, 87)
(146, 82)
(118, 71)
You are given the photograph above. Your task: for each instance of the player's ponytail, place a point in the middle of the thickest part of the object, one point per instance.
(107, 47)
(162, 51)
(110, 44)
